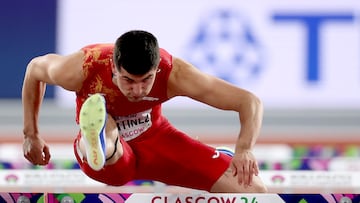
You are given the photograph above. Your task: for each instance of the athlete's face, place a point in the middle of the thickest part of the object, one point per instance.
(134, 87)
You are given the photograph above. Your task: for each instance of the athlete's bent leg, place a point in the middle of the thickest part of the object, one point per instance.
(99, 142)
(228, 183)
(114, 149)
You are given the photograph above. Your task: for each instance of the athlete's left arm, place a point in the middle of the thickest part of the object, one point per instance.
(186, 80)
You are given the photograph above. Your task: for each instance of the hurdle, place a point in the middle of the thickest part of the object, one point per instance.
(74, 186)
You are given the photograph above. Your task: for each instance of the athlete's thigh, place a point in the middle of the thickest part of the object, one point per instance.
(172, 157)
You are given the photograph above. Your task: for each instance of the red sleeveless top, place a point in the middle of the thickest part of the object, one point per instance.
(132, 118)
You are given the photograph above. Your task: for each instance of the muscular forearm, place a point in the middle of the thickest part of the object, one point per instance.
(32, 96)
(251, 121)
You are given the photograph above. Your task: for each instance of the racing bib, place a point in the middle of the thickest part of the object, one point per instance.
(133, 125)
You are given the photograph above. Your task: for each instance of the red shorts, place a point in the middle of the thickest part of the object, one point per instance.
(163, 154)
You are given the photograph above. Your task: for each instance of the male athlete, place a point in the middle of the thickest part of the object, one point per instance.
(123, 135)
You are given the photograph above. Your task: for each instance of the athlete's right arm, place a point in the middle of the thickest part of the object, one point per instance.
(64, 71)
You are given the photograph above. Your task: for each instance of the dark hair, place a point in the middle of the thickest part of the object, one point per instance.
(137, 52)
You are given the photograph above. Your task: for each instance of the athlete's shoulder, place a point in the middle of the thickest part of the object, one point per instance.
(165, 58)
(101, 53)
(97, 58)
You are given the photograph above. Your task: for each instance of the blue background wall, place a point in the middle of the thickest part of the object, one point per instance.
(28, 29)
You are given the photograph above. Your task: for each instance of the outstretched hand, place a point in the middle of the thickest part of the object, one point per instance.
(245, 166)
(36, 151)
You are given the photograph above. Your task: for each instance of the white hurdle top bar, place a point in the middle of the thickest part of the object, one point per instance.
(74, 180)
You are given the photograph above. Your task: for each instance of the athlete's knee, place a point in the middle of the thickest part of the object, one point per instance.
(259, 187)
(229, 183)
